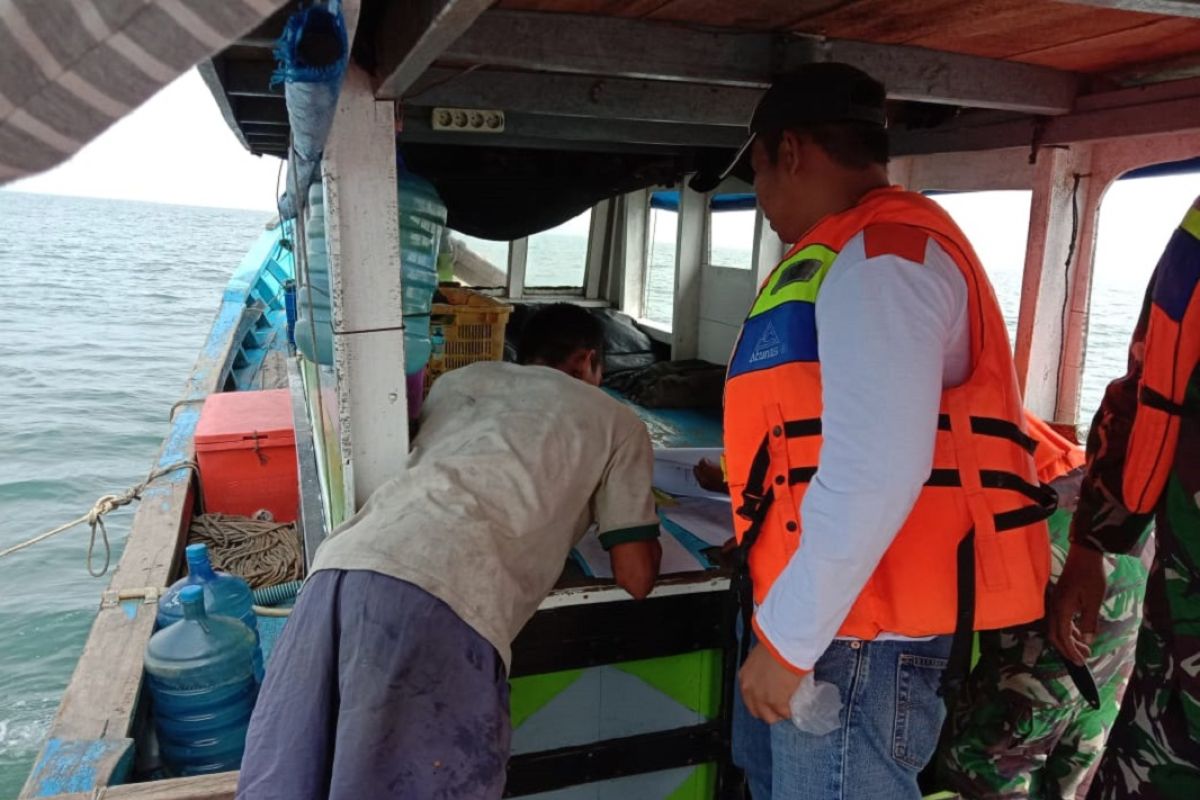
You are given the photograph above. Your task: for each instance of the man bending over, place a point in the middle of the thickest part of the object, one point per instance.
(390, 679)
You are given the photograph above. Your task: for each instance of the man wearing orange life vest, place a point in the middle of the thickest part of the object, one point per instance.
(884, 490)
(1144, 462)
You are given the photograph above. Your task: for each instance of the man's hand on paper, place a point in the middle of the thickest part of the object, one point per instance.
(710, 476)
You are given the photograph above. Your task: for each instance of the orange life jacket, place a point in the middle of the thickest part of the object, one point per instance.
(1055, 456)
(983, 478)
(1170, 363)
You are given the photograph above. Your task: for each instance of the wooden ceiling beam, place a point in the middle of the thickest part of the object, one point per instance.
(636, 49)
(245, 78)
(261, 110)
(1151, 110)
(413, 33)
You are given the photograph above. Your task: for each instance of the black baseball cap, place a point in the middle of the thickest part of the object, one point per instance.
(812, 94)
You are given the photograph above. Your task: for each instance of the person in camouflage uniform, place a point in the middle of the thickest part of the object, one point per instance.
(1144, 461)
(1019, 728)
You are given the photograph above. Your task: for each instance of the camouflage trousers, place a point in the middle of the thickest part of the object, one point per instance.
(1154, 750)
(1019, 728)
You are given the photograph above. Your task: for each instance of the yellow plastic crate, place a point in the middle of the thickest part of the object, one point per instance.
(471, 327)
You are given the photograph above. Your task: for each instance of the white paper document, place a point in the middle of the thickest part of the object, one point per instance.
(675, 557)
(673, 470)
(704, 518)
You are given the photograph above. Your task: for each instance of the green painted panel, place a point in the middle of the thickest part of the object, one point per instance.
(325, 440)
(700, 784)
(691, 679)
(531, 693)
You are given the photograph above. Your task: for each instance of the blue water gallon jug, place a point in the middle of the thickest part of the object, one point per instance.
(200, 673)
(314, 325)
(224, 594)
(422, 220)
(314, 317)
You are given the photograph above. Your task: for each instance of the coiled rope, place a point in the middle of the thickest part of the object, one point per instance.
(263, 553)
(95, 518)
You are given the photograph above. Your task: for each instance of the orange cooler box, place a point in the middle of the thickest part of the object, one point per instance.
(246, 450)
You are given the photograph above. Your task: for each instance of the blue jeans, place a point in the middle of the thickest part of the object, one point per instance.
(890, 721)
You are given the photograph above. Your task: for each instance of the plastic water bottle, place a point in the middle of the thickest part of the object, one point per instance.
(314, 315)
(422, 222)
(224, 594)
(289, 308)
(200, 673)
(816, 706)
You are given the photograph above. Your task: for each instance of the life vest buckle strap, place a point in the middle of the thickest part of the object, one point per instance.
(1041, 494)
(752, 506)
(801, 428)
(958, 664)
(1022, 517)
(798, 475)
(1160, 402)
(995, 427)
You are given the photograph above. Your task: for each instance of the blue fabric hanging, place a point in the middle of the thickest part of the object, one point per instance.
(312, 54)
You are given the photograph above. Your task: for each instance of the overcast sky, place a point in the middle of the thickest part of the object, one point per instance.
(174, 149)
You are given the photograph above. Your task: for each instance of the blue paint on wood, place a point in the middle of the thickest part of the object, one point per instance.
(72, 765)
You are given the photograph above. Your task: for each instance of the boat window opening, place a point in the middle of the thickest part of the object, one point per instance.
(997, 225)
(480, 263)
(557, 258)
(731, 238)
(659, 302)
(1137, 218)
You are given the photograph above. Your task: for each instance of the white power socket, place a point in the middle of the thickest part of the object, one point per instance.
(468, 120)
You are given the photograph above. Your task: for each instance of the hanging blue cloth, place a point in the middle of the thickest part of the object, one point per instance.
(312, 54)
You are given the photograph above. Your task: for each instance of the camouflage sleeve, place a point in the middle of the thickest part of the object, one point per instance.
(1102, 521)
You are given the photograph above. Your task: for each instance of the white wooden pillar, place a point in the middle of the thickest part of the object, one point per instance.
(364, 251)
(690, 247)
(768, 248)
(634, 249)
(518, 254)
(1061, 237)
(598, 247)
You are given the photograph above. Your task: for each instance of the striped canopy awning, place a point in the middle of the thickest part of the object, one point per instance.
(71, 68)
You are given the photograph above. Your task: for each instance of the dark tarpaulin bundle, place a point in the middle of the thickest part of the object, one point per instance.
(312, 55)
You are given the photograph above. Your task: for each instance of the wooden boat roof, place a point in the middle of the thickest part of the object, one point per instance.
(608, 96)
(1088, 37)
(674, 73)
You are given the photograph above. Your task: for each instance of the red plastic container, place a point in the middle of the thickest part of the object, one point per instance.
(246, 450)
